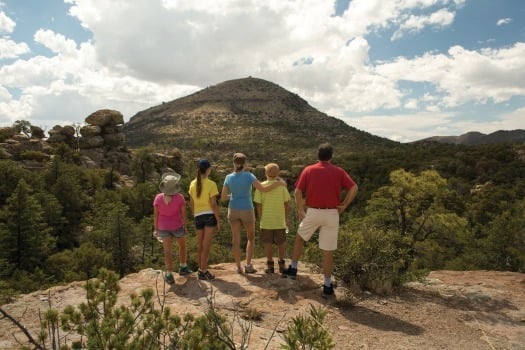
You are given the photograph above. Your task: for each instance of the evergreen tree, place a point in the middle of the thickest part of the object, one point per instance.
(504, 247)
(416, 206)
(11, 173)
(25, 239)
(114, 231)
(142, 164)
(64, 182)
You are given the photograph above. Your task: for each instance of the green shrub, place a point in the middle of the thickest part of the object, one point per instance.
(371, 259)
(308, 332)
(33, 155)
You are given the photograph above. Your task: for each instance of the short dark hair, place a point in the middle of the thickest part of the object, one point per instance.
(325, 151)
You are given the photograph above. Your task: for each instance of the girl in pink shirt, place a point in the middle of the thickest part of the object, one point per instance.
(169, 220)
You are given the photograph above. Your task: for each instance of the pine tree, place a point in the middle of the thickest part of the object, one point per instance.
(25, 239)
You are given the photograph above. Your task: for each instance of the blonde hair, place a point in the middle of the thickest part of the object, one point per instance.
(272, 170)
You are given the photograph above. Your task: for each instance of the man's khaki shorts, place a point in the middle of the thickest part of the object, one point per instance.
(327, 221)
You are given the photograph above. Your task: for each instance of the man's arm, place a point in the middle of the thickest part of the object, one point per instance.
(350, 195)
(298, 194)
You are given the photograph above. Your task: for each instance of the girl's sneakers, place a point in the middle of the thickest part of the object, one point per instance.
(185, 270)
(168, 277)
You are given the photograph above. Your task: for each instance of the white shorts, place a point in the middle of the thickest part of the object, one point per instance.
(327, 221)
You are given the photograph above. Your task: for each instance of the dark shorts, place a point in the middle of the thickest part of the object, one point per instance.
(276, 236)
(203, 220)
(178, 233)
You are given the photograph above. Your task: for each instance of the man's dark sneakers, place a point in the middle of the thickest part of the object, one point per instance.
(206, 275)
(290, 272)
(328, 291)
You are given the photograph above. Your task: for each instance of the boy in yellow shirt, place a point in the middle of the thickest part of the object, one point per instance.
(273, 212)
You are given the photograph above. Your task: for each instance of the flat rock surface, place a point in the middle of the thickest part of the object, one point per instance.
(448, 310)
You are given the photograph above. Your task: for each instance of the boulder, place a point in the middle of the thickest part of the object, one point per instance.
(105, 117)
(37, 132)
(87, 142)
(90, 130)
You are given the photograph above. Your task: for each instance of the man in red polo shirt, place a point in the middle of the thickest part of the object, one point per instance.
(322, 183)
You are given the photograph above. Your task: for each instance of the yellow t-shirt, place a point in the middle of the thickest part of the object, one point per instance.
(273, 212)
(202, 204)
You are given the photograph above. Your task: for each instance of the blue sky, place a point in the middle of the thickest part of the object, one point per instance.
(400, 69)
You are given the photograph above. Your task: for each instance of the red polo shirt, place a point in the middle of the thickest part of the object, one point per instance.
(323, 183)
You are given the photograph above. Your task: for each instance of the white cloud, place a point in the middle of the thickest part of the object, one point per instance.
(405, 127)
(511, 120)
(12, 110)
(465, 76)
(414, 24)
(11, 49)
(57, 43)
(7, 25)
(503, 21)
(5, 96)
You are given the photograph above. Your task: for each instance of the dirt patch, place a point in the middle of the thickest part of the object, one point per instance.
(449, 310)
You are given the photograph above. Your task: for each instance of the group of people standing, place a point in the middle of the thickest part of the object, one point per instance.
(318, 198)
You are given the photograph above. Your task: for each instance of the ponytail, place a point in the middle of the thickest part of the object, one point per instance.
(199, 183)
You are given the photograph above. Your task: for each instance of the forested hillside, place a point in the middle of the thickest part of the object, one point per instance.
(420, 207)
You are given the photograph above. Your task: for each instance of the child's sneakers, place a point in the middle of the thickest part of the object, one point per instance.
(185, 270)
(290, 272)
(282, 266)
(168, 277)
(269, 268)
(249, 269)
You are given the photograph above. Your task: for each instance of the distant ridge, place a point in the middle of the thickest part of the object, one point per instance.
(240, 114)
(477, 138)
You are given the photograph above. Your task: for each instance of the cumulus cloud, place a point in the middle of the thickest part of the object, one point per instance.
(57, 43)
(464, 75)
(11, 49)
(415, 125)
(7, 25)
(414, 24)
(503, 21)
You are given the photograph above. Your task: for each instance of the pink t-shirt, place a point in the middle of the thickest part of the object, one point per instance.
(169, 214)
(323, 182)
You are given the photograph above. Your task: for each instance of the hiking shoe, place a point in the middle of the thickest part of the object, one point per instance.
(249, 269)
(240, 271)
(185, 270)
(168, 277)
(328, 291)
(270, 268)
(206, 275)
(282, 266)
(290, 272)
